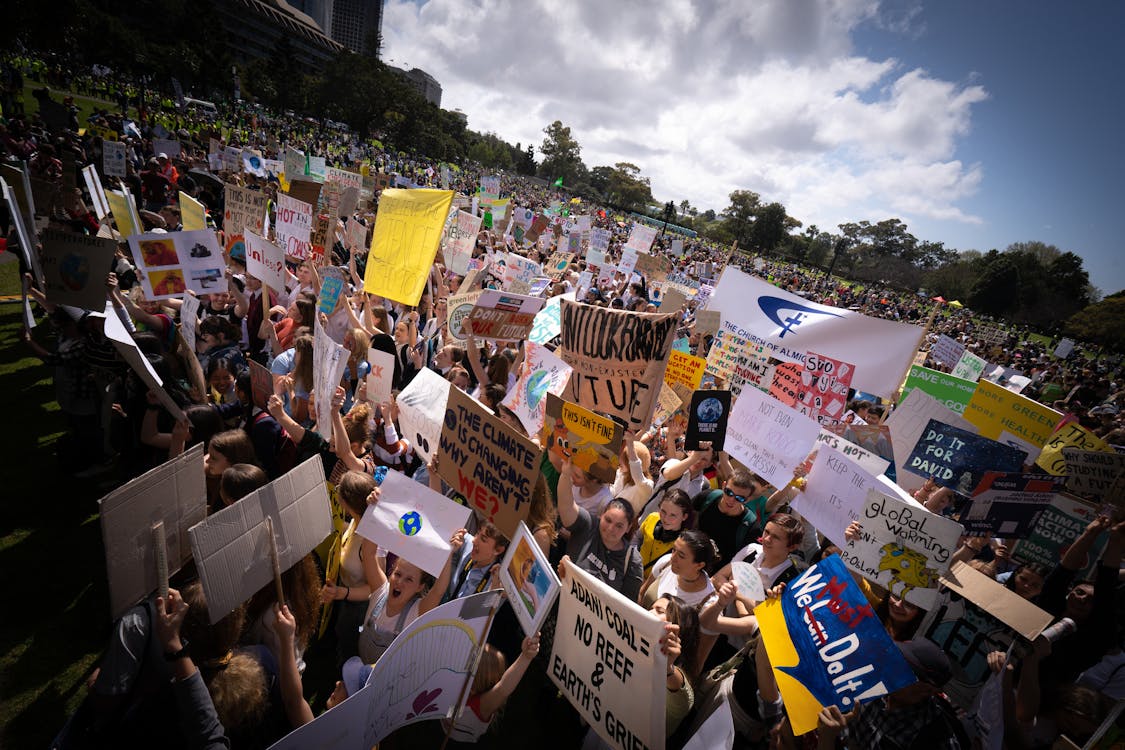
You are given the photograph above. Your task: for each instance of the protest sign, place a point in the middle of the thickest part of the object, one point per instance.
(293, 226)
(707, 419)
(618, 359)
(458, 308)
(1064, 349)
(824, 387)
(707, 322)
(421, 411)
(685, 370)
(557, 264)
(826, 645)
(265, 261)
(243, 209)
(836, 491)
(590, 441)
(113, 159)
(355, 235)
(672, 300)
(329, 362)
(540, 372)
(189, 320)
(171, 263)
(974, 616)
(519, 273)
(770, 438)
(734, 360)
(380, 376)
(907, 424)
(1092, 472)
(261, 384)
(459, 241)
(789, 326)
(193, 214)
(947, 351)
(1008, 377)
(174, 495)
(75, 267)
(331, 289)
(957, 459)
(606, 660)
(902, 547)
(408, 229)
(503, 316)
(413, 522)
(124, 212)
(1069, 435)
(488, 462)
(653, 267)
(317, 167)
(641, 237)
(786, 385)
(1008, 505)
(1055, 530)
(528, 577)
(949, 390)
(128, 350)
(306, 191)
(871, 461)
(96, 191)
(1011, 418)
(23, 236)
(969, 367)
(232, 551)
(667, 404)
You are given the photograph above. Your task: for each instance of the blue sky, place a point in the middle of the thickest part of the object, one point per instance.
(978, 123)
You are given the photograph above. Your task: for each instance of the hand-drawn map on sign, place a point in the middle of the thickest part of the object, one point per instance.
(958, 459)
(618, 359)
(591, 442)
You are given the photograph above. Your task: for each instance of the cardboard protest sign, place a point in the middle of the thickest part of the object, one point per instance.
(672, 300)
(243, 209)
(557, 264)
(261, 384)
(548, 321)
(977, 615)
(173, 494)
(969, 367)
(306, 191)
(329, 362)
(1008, 505)
(124, 212)
(826, 645)
(421, 411)
(685, 370)
(232, 551)
(824, 387)
(293, 226)
(868, 460)
(75, 267)
(707, 419)
(265, 261)
(407, 232)
(903, 547)
(171, 263)
(950, 391)
(789, 326)
(1069, 435)
(947, 351)
(530, 580)
(957, 458)
(113, 159)
(606, 660)
(519, 273)
(618, 359)
(641, 237)
(458, 309)
(1011, 418)
(96, 191)
(770, 438)
(707, 322)
(836, 491)
(907, 424)
(502, 316)
(414, 522)
(1092, 472)
(127, 349)
(653, 267)
(459, 241)
(1058, 525)
(734, 360)
(591, 442)
(488, 462)
(380, 377)
(540, 372)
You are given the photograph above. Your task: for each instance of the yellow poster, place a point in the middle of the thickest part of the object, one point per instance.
(119, 207)
(684, 369)
(405, 240)
(192, 213)
(1070, 435)
(1010, 418)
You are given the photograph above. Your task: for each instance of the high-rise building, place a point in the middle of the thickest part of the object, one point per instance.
(426, 84)
(254, 28)
(356, 24)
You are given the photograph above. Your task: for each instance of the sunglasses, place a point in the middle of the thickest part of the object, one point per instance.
(730, 493)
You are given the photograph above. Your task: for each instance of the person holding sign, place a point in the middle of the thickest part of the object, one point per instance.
(399, 599)
(492, 685)
(660, 529)
(683, 572)
(600, 545)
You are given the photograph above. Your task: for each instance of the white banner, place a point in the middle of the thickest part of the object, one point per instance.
(789, 326)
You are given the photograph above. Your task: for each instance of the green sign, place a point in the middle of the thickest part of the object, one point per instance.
(948, 390)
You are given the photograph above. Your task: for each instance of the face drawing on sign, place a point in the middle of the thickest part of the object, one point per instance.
(907, 567)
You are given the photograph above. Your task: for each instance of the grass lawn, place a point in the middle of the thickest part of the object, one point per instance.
(86, 104)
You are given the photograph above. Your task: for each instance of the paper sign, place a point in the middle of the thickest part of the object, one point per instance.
(969, 367)
(606, 660)
(1070, 435)
(592, 442)
(826, 645)
(540, 372)
(380, 378)
(947, 351)
(958, 459)
(265, 261)
(502, 316)
(329, 362)
(950, 391)
(707, 419)
(1063, 350)
(189, 320)
(332, 282)
(128, 351)
(75, 267)
(868, 460)
(96, 191)
(293, 226)
(548, 321)
(243, 209)
(124, 213)
(174, 494)
(1092, 472)
(529, 578)
(171, 263)
(1011, 418)
(907, 424)
(835, 492)
(193, 214)
(1008, 505)
(113, 159)
(407, 232)
(458, 308)
(413, 522)
(618, 359)
(685, 370)
(421, 411)
(641, 237)
(488, 462)
(231, 549)
(768, 437)
(459, 241)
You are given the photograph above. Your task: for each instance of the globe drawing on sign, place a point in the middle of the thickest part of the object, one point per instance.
(255, 163)
(709, 410)
(537, 386)
(74, 270)
(410, 523)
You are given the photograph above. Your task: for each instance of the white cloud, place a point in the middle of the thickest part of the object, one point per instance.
(710, 97)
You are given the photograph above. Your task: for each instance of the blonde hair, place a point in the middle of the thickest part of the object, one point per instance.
(239, 693)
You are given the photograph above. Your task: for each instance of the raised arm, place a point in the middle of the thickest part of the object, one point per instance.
(568, 509)
(292, 693)
(276, 407)
(495, 697)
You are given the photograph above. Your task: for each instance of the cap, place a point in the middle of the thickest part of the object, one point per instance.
(162, 155)
(930, 664)
(355, 674)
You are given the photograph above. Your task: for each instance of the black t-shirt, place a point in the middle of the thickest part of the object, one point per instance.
(723, 529)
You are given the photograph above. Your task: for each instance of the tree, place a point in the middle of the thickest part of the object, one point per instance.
(997, 289)
(1103, 322)
(626, 188)
(741, 212)
(561, 155)
(770, 227)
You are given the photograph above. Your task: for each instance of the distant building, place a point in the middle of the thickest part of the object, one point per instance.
(464, 118)
(320, 11)
(254, 27)
(355, 23)
(426, 84)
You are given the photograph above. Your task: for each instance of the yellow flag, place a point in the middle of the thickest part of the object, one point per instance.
(407, 232)
(119, 207)
(192, 213)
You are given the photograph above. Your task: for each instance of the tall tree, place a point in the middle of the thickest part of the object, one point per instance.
(626, 188)
(741, 212)
(561, 155)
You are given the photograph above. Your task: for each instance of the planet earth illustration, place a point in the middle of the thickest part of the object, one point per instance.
(537, 386)
(709, 410)
(410, 523)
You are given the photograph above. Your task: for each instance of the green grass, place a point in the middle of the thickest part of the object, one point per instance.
(86, 104)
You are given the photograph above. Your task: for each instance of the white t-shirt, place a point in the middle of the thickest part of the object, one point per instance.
(769, 575)
(666, 582)
(596, 502)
